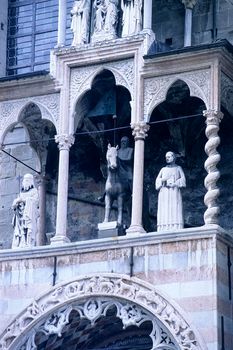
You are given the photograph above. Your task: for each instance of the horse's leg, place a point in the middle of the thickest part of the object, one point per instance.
(120, 208)
(107, 207)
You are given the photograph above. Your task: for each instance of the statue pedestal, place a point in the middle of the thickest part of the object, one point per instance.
(109, 229)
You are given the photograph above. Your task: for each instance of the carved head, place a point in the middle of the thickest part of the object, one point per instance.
(28, 182)
(170, 157)
(124, 142)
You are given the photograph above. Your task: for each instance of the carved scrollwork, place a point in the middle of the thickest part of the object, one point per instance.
(227, 93)
(134, 301)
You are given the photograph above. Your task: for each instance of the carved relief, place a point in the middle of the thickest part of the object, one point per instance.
(227, 93)
(135, 302)
(81, 78)
(155, 89)
(10, 110)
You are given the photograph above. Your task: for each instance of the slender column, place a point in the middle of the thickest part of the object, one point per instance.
(189, 4)
(61, 36)
(139, 133)
(147, 14)
(40, 239)
(64, 144)
(213, 119)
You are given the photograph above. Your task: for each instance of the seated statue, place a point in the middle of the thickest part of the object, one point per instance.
(26, 213)
(169, 182)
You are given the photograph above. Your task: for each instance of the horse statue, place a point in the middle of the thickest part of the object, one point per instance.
(117, 185)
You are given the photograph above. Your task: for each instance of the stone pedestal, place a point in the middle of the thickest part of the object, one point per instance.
(110, 229)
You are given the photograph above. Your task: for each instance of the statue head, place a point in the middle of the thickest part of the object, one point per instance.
(28, 182)
(170, 157)
(124, 142)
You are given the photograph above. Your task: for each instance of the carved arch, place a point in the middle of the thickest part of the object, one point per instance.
(10, 111)
(156, 89)
(122, 290)
(82, 79)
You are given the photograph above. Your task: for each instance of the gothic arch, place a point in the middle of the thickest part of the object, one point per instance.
(11, 111)
(120, 290)
(82, 79)
(156, 89)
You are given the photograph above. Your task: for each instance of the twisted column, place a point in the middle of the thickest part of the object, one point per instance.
(139, 132)
(213, 119)
(64, 143)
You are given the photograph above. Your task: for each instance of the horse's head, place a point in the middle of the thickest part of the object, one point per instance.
(111, 157)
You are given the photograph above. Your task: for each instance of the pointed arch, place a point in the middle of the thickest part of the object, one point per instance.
(156, 89)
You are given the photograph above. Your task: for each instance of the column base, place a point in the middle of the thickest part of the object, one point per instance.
(134, 230)
(59, 240)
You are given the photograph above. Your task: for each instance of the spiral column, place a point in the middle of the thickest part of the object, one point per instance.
(213, 119)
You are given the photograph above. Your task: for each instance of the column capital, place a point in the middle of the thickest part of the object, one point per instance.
(189, 4)
(140, 130)
(213, 117)
(64, 141)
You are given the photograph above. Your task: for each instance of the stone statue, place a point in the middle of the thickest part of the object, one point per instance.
(80, 21)
(111, 18)
(169, 182)
(125, 156)
(100, 14)
(132, 17)
(106, 18)
(26, 213)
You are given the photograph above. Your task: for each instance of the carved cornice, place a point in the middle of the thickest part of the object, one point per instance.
(135, 300)
(64, 141)
(140, 130)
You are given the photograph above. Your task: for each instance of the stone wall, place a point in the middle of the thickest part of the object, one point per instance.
(168, 22)
(188, 268)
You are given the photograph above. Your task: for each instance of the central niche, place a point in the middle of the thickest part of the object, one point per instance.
(102, 116)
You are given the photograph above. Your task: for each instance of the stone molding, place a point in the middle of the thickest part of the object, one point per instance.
(51, 310)
(156, 88)
(140, 130)
(64, 141)
(213, 118)
(10, 110)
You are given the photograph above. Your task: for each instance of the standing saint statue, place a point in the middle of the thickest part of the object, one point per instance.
(26, 213)
(169, 182)
(80, 21)
(132, 17)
